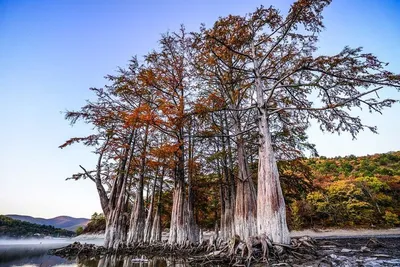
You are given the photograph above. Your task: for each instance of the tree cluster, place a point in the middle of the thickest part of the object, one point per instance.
(212, 105)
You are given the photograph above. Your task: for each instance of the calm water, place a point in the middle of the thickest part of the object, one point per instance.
(30, 254)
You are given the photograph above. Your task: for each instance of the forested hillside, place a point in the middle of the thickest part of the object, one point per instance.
(350, 191)
(15, 228)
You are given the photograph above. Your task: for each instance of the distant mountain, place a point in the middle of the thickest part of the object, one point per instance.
(63, 222)
(15, 228)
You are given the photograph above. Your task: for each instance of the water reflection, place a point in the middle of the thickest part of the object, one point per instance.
(35, 256)
(134, 261)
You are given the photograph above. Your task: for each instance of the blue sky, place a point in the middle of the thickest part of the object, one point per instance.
(51, 52)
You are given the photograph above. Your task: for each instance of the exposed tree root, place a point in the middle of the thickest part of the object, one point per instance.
(236, 252)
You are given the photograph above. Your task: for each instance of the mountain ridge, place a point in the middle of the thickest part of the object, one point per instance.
(62, 221)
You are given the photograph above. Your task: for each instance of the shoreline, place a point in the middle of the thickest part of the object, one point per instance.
(338, 233)
(348, 249)
(315, 233)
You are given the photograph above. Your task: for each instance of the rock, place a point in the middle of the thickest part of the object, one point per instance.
(365, 249)
(326, 252)
(327, 246)
(381, 255)
(346, 250)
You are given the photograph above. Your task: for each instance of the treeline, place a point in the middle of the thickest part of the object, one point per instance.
(351, 191)
(18, 229)
(197, 126)
(96, 224)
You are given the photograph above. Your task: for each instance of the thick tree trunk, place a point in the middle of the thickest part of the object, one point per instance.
(116, 221)
(178, 229)
(115, 233)
(271, 213)
(245, 205)
(137, 220)
(227, 222)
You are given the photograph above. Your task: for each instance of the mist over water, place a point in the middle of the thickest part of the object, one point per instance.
(48, 241)
(33, 241)
(33, 253)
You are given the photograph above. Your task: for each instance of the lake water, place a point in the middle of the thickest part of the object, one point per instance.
(30, 253)
(33, 253)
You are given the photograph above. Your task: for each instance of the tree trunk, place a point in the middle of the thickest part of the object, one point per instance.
(115, 233)
(116, 222)
(177, 232)
(178, 228)
(245, 204)
(230, 173)
(108, 261)
(227, 203)
(193, 229)
(137, 221)
(149, 219)
(271, 213)
(222, 196)
(229, 187)
(156, 229)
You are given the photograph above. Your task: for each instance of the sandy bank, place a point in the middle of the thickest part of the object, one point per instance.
(346, 232)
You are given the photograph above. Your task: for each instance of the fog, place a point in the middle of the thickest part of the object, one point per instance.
(34, 241)
(33, 251)
(46, 242)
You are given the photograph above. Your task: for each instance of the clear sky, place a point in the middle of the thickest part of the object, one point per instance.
(52, 51)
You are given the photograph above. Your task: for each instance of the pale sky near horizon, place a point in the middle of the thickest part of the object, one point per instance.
(51, 52)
